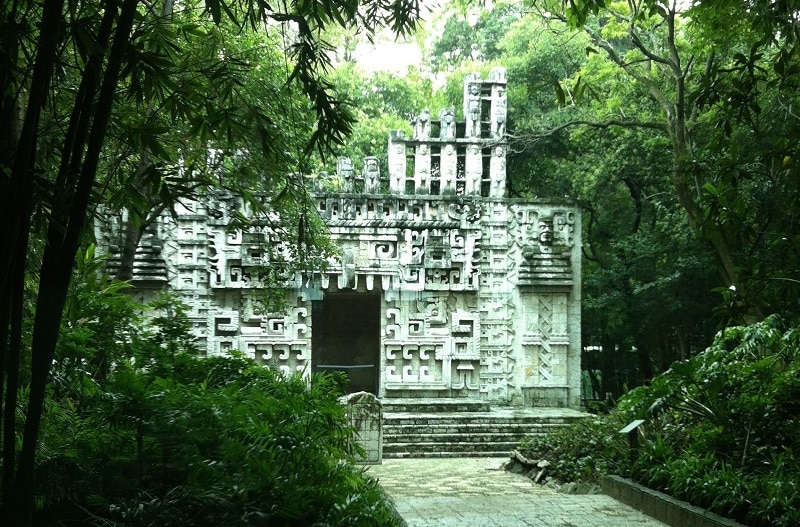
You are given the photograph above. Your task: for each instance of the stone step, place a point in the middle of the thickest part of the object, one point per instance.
(470, 418)
(410, 454)
(451, 428)
(453, 438)
(433, 405)
(449, 446)
(390, 433)
(473, 425)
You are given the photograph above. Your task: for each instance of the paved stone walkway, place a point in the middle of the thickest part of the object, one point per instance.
(477, 492)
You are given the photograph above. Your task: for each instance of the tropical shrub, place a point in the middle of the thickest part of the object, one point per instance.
(583, 451)
(721, 429)
(168, 437)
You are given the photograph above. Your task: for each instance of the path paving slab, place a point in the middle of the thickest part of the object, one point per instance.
(478, 492)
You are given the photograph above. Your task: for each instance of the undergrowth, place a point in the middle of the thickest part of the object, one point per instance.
(721, 430)
(160, 436)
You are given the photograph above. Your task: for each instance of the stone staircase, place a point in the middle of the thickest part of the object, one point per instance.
(462, 428)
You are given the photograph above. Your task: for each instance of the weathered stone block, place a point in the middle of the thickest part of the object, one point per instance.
(365, 413)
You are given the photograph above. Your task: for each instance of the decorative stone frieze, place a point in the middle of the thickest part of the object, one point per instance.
(450, 289)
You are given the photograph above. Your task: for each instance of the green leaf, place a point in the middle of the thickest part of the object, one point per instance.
(213, 6)
(560, 95)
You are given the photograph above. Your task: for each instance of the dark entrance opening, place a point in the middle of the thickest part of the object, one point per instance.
(346, 337)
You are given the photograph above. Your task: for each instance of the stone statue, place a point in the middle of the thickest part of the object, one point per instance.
(474, 173)
(447, 126)
(500, 111)
(448, 169)
(474, 110)
(498, 171)
(397, 166)
(422, 125)
(372, 175)
(320, 182)
(344, 169)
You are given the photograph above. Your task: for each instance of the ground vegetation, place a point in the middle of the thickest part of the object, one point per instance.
(719, 430)
(141, 429)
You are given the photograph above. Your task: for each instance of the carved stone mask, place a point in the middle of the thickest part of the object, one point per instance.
(545, 232)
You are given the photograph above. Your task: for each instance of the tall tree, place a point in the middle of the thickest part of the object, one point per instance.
(712, 101)
(65, 67)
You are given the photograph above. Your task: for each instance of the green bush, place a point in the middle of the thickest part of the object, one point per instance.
(583, 451)
(721, 429)
(167, 437)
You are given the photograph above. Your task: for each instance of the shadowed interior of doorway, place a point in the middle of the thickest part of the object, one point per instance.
(346, 337)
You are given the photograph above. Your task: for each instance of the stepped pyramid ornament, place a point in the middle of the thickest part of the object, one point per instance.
(471, 294)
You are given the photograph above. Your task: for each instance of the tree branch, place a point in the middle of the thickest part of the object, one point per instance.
(533, 138)
(655, 92)
(636, 40)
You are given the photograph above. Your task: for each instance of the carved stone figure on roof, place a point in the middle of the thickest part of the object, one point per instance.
(422, 125)
(344, 169)
(372, 175)
(474, 170)
(474, 110)
(500, 110)
(397, 166)
(447, 124)
(319, 182)
(498, 172)
(448, 168)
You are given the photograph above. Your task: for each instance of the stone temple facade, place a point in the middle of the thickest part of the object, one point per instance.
(444, 287)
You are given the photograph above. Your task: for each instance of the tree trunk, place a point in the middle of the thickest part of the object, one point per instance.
(15, 212)
(609, 376)
(5, 364)
(65, 230)
(16, 314)
(130, 241)
(645, 363)
(134, 230)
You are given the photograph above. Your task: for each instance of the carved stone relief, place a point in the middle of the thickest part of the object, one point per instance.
(479, 294)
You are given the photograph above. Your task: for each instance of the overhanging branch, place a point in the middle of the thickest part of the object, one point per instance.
(622, 123)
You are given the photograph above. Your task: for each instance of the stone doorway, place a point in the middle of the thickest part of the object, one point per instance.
(346, 337)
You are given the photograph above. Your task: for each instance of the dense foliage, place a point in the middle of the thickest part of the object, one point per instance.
(721, 430)
(163, 436)
(134, 106)
(382, 102)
